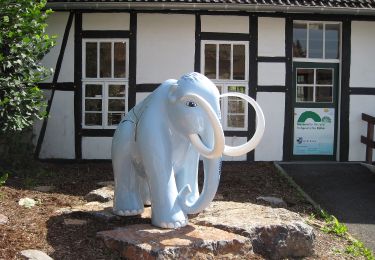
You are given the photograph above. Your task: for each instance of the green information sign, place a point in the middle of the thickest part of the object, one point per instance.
(314, 131)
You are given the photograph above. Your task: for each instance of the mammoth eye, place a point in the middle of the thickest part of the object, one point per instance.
(191, 104)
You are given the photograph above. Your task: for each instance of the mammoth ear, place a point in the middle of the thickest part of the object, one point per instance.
(172, 93)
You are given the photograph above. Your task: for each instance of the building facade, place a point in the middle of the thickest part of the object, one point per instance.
(309, 64)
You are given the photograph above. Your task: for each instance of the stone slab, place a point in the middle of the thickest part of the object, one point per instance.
(3, 219)
(275, 232)
(144, 241)
(99, 210)
(33, 254)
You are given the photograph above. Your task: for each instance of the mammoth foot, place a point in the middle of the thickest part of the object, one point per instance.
(133, 212)
(176, 224)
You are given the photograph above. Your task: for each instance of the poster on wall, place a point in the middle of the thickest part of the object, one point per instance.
(314, 131)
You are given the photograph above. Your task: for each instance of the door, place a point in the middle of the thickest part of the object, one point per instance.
(314, 98)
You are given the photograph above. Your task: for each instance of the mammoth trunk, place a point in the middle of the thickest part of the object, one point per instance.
(212, 168)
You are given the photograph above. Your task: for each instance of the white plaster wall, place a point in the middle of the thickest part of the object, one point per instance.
(271, 36)
(140, 96)
(67, 66)
(359, 104)
(225, 24)
(59, 137)
(235, 141)
(96, 147)
(271, 146)
(165, 46)
(362, 67)
(56, 26)
(105, 21)
(271, 73)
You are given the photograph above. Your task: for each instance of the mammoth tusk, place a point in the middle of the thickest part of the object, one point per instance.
(260, 122)
(218, 148)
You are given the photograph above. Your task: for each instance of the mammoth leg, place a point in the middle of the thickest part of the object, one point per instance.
(128, 200)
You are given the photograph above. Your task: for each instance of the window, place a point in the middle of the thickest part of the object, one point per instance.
(104, 82)
(225, 63)
(314, 85)
(316, 40)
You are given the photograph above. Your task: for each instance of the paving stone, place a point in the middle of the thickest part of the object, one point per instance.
(27, 202)
(275, 233)
(103, 194)
(144, 241)
(273, 201)
(3, 219)
(33, 254)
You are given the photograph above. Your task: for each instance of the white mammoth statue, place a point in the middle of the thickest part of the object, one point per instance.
(156, 148)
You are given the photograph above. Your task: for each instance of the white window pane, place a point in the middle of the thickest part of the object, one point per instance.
(210, 61)
(305, 94)
(93, 105)
(116, 90)
(93, 90)
(316, 40)
(93, 119)
(105, 60)
(114, 118)
(332, 41)
(119, 59)
(236, 121)
(324, 76)
(305, 76)
(91, 59)
(239, 62)
(224, 61)
(299, 40)
(323, 94)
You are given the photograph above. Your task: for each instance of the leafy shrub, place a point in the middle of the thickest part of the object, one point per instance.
(23, 43)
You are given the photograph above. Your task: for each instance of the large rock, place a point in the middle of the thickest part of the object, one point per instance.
(144, 241)
(275, 233)
(103, 194)
(33, 254)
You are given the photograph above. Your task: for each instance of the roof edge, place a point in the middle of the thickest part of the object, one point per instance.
(208, 7)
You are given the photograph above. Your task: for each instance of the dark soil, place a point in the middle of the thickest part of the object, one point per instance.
(42, 228)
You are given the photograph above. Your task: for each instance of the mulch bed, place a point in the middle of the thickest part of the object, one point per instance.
(42, 228)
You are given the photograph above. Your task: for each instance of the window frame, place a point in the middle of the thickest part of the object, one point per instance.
(320, 60)
(226, 83)
(314, 86)
(104, 81)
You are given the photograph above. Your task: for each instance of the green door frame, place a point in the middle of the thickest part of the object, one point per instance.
(334, 104)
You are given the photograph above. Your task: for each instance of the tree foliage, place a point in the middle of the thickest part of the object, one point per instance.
(23, 44)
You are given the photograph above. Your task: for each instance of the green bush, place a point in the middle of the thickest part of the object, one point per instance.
(23, 43)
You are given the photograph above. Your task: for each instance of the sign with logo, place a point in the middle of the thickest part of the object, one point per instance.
(314, 131)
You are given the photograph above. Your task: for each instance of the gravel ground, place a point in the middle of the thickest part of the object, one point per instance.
(41, 227)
